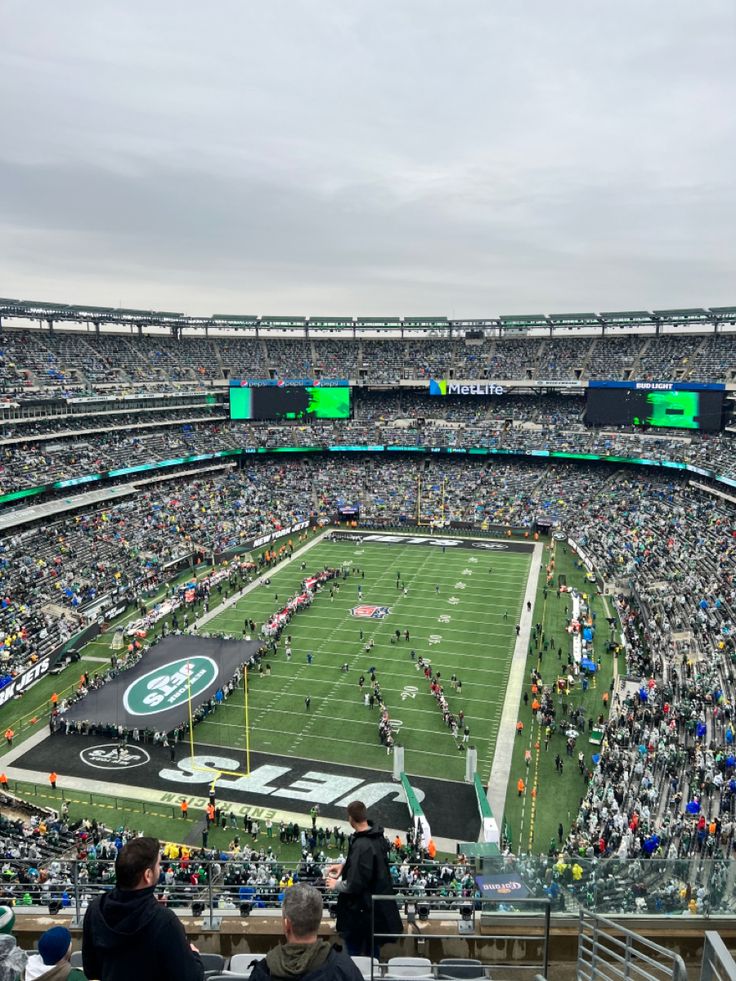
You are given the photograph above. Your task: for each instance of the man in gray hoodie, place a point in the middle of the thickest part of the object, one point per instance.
(304, 954)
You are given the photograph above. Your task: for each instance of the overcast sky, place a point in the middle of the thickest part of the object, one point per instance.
(439, 157)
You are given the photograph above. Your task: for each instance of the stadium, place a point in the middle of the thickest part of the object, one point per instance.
(387, 631)
(477, 573)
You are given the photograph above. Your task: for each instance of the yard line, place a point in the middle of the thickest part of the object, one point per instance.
(330, 626)
(351, 742)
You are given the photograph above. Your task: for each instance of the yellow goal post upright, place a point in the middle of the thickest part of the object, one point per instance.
(216, 771)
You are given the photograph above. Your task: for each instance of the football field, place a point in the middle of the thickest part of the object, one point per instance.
(460, 606)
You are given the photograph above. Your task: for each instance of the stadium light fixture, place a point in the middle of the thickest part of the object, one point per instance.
(465, 923)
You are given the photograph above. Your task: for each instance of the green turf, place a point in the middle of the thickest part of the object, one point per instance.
(476, 643)
(534, 825)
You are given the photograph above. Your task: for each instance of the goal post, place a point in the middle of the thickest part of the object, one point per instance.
(217, 771)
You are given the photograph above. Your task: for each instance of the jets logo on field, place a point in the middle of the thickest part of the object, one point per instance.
(371, 612)
(112, 756)
(491, 546)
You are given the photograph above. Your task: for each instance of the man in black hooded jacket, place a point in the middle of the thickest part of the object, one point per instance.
(128, 935)
(365, 873)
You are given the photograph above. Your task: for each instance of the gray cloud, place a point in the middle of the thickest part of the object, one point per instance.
(458, 158)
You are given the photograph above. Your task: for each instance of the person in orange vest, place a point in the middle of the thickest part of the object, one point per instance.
(432, 849)
(52, 779)
(4, 781)
(521, 787)
(54, 700)
(519, 727)
(9, 736)
(184, 807)
(210, 814)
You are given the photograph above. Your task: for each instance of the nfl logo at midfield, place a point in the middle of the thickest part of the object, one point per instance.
(371, 612)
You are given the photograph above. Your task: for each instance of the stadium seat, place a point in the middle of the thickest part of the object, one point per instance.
(414, 977)
(244, 963)
(409, 967)
(213, 964)
(460, 967)
(364, 966)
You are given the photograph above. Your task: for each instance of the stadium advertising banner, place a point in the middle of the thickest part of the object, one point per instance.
(441, 387)
(669, 405)
(21, 682)
(501, 886)
(289, 402)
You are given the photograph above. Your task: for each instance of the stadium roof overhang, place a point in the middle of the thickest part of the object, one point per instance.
(680, 316)
(507, 324)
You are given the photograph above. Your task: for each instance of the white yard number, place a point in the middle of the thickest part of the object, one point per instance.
(410, 691)
(434, 638)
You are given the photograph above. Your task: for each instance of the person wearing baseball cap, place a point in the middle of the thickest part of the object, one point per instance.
(53, 960)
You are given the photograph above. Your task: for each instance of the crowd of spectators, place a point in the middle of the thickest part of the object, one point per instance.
(64, 360)
(665, 784)
(46, 858)
(68, 447)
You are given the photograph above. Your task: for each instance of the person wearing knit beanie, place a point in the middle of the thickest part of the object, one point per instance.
(53, 960)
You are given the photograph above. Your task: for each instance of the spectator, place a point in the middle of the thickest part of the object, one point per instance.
(128, 934)
(304, 953)
(53, 960)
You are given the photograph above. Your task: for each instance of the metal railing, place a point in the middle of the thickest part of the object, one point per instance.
(718, 964)
(503, 937)
(609, 887)
(610, 952)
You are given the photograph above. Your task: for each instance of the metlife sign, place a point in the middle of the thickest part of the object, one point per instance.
(441, 387)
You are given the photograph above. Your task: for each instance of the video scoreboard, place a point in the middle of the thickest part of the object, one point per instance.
(666, 405)
(284, 402)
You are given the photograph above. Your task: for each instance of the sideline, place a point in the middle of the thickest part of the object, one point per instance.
(236, 597)
(504, 748)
